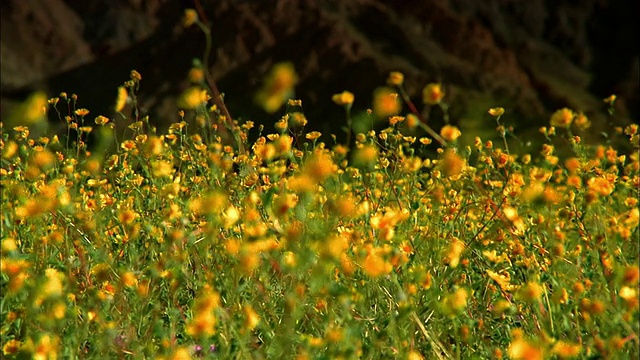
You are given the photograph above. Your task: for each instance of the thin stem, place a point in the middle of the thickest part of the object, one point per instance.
(423, 122)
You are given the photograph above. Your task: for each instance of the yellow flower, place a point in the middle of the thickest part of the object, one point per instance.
(196, 75)
(204, 321)
(32, 111)
(530, 292)
(135, 76)
(451, 163)
(455, 250)
(565, 350)
(101, 120)
(450, 133)
(53, 286)
(600, 185)
(396, 78)
(252, 319)
(630, 296)
(319, 167)
(298, 119)
(385, 102)
(278, 87)
(496, 112)
(455, 302)
(375, 265)
(283, 145)
(365, 157)
(162, 168)
(11, 347)
(121, 99)
(520, 349)
(411, 121)
(193, 98)
(562, 118)
(345, 98)
(313, 135)
(581, 122)
(127, 216)
(432, 94)
(190, 17)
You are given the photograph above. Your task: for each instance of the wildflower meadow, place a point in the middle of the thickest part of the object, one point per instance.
(214, 239)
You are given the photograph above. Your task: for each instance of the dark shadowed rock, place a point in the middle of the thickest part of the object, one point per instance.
(530, 57)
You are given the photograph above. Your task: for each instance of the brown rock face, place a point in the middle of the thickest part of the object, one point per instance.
(530, 57)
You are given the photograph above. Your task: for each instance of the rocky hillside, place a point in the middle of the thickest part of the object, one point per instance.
(530, 57)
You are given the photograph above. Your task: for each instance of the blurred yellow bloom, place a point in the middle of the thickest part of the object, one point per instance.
(196, 75)
(313, 135)
(162, 168)
(530, 292)
(193, 97)
(455, 302)
(278, 87)
(204, 321)
(385, 102)
(496, 112)
(375, 265)
(520, 349)
(11, 347)
(53, 285)
(455, 250)
(252, 319)
(565, 350)
(395, 78)
(450, 133)
(190, 17)
(345, 98)
(562, 118)
(365, 157)
(432, 94)
(319, 166)
(121, 99)
(451, 164)
(581, 122)
(32, 111)
(600, 185)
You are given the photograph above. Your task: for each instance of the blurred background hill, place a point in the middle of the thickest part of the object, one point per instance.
(530, 57)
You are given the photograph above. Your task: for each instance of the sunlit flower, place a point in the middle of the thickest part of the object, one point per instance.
(451, 163)
(450, 133)
(565, 350)
(278, 87)
(252, 319)
(395, 78)
(385, 102)
(344, 98)
(121, 99)
(313, 135)
(581, 122)
(496, 112)
(455, 250)
(11, 347)
(521, 349)
(196, 75)
(455, 302)
(365, 157)
(530, 292)
(193, 98)
(204, 320)
(432, 94)
(562, 118)
(600, 185)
